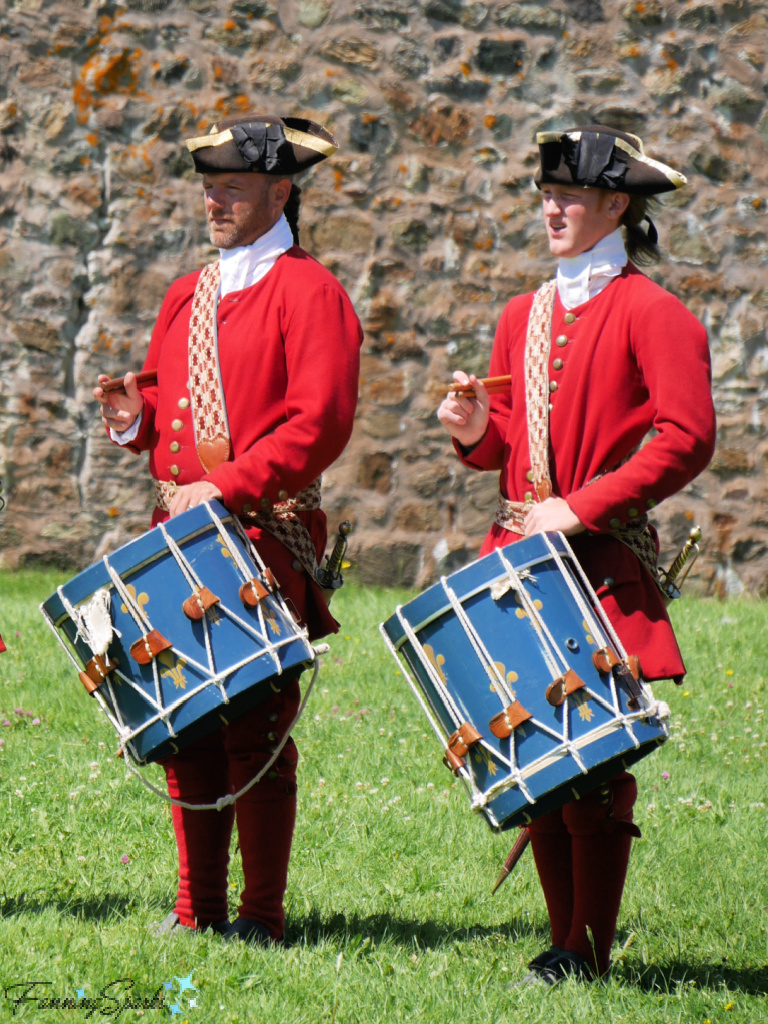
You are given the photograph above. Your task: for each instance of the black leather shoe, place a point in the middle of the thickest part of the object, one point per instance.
(538, 966)
(554, 965)
(245, 930)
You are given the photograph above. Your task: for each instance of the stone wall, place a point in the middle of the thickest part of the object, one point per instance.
(427, 214)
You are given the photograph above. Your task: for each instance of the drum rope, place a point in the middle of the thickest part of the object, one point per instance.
(231, 798)
(439, 732)
(483, 656)
(536, 620)
(194, 583)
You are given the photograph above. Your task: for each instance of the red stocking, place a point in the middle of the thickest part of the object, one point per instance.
(551, 845)
(198, 775)
(266, 814)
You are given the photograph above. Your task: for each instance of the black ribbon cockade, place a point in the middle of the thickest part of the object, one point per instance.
(264, 147)
(595, 160)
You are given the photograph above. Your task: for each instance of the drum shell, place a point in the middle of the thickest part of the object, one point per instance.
(457, 682)
(251, 656)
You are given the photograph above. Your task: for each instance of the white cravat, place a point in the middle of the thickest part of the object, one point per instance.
(247, 264)
(580, 278)
(240, 268)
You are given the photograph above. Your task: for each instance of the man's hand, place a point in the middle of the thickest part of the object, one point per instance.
(466, 419)
(189, 495)
(552, 515)
(119, 411)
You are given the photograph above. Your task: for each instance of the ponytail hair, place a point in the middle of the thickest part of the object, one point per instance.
(641, 243)
(291, 211)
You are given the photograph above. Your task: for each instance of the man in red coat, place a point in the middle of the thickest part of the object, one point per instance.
(279, 334)
(621, 359)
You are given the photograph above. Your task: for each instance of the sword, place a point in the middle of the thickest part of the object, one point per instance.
(674, 578)
(329, 576)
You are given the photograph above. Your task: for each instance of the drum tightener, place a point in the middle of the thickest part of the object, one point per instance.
(149, 646)
(459, 744)
(198, 603)
(513, 715)
(563, 687)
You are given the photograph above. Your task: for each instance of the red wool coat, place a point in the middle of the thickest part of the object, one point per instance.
(632, 360)
(289, 350)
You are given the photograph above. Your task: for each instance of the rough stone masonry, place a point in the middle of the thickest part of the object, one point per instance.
(427, 214)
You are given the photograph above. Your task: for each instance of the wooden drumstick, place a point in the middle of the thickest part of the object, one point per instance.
(147, 379)
(493, 385)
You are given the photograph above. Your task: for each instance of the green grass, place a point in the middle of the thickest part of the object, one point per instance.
(390, 916)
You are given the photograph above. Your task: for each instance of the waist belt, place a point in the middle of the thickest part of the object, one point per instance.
(281, 520)
(637, 536)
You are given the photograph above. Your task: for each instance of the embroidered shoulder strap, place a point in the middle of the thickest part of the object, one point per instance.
(537, 386)
(207, 395)
(212, 438)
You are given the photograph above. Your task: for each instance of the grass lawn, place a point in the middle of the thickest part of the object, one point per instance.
(390, 913)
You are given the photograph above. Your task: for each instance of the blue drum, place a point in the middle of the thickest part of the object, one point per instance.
(524, 680)
(178, 632)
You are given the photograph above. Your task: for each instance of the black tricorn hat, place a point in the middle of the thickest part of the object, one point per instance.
(260, 142)
(600, 157)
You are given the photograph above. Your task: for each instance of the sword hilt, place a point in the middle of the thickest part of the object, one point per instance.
(687, 556)
(329, 576)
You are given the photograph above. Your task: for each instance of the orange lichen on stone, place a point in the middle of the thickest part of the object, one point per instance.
(92, 139)
(230, 26)
(489, 120)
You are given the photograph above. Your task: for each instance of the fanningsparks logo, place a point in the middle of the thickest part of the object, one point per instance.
(175, 997)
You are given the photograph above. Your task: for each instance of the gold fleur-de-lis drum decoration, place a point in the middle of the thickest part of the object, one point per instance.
(521, 613)
(589, 638)
(586, 714)
(141, 599)
(271, 619)
(174, 669)
(480, 755)
(224, 549)
(510, 677)
(437, 661)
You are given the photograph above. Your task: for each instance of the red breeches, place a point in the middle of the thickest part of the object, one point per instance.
(581, 853)
(221, 763)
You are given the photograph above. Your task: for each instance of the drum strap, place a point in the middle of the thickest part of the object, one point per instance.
(212, 438)
(511, 514)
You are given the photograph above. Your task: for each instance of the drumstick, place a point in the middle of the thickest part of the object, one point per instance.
(513, 857)
(493, 385)
(147, 379)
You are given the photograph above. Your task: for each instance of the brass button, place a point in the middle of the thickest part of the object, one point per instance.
(282, 495)
(177, 425)
(557, 364)
(553, 385)
(608, 581)
(247, 508)
(272, 737)
(569, 318)
(615, 524)
(528, 495)
(273, 717)
(175, 470)
(651, 503)
(529, 476)
(632, 513)
(296, 565)
(183, 403)
(175, 447)
(561, 341)
(273, 774)
(266, 503)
